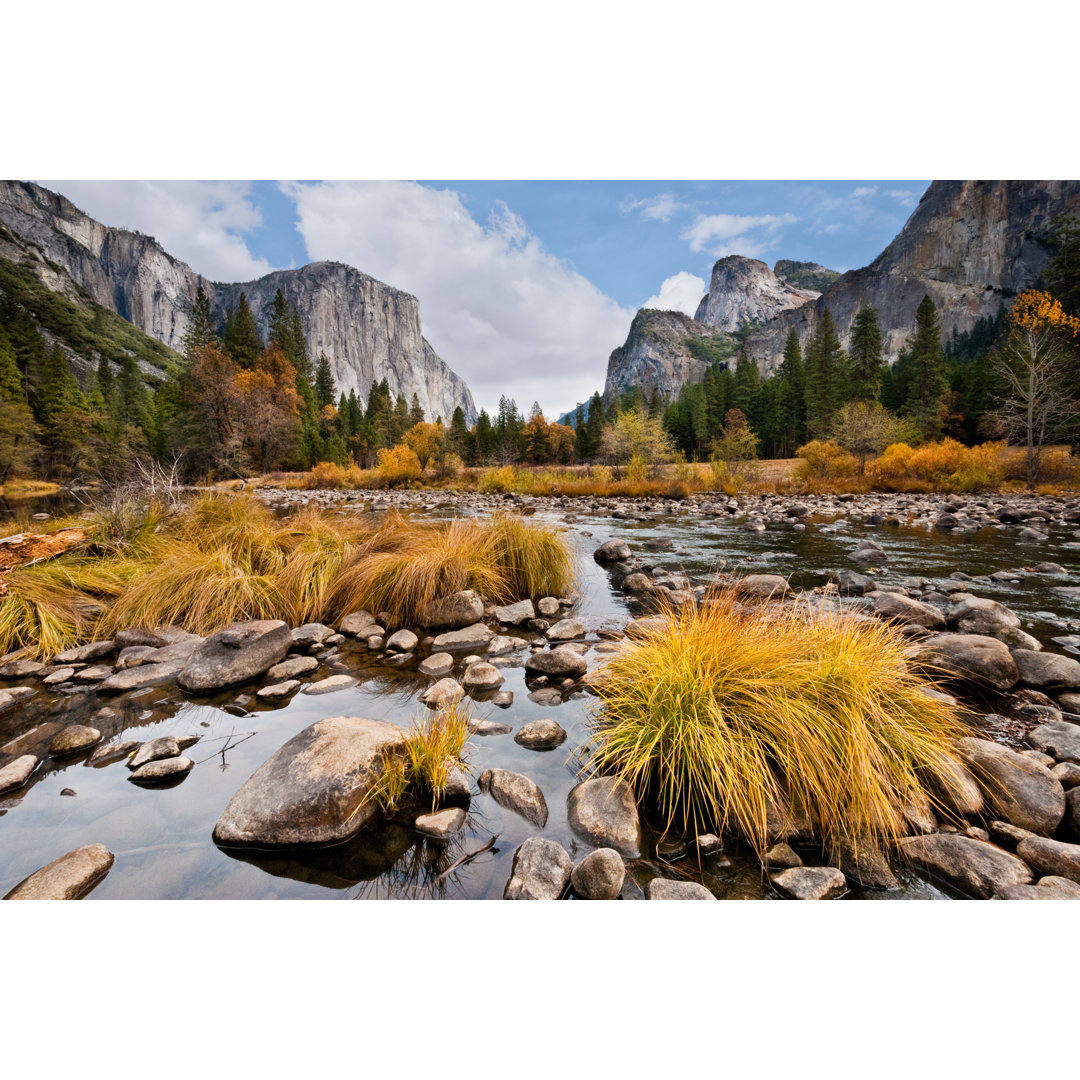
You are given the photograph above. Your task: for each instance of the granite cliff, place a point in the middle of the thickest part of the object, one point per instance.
(743, 291)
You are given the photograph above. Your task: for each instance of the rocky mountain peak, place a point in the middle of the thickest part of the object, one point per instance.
(744, 291)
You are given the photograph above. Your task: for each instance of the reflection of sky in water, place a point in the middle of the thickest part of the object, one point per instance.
(161, 837)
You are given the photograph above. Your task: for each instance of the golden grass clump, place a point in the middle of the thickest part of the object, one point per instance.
(43, 612)
(724, 714)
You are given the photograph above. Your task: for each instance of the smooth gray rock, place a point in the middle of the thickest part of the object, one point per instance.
(603, 811)
(1068, 775)
(442, 824)
(611, 551)
(562, 662)
(111, 752)
(165, 746)
(292, 668)
(903, 609)
(57, 676)
(540, 735)
(238, 654)
(277, 691)
(355, 624)
(864, 862)
(852, 584)
(599, 876)
(15, 773)
(311, 634)
(1035, 892)
(515, 792)
(482, 677)
(781, 857)
(665, 889)
(444, 692)
(1018, 789)
(565, 630)
(516, 614)
(488, 727)
(548, 607)
(976, 868)
(763, 586)
(811, 882)
(1058, 738)
(471, 637)
(453, 612)
(315, 789)
(83, 654)
(1047, 671)
(20, 669)
(971, 658)
(437, 665)
(402, 641)
(979, 615)
(94, 673)
(142, 677)
(74, 739)
(1051, 856)
(956, 789)
(11, 697)
(162, 769)
(329, 685)
(70, 877)
(541, 871)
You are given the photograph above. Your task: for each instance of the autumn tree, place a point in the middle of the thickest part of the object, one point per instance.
(865, 428)
(269, 412)
(635, 434)
(425, 441)
(1038, 363)
(211, 425)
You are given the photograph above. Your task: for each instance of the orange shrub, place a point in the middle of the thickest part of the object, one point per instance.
(824, 461)
(326, 474)
(398, 466)
(892, 465)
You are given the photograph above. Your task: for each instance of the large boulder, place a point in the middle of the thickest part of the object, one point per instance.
(515, 792)
(1046, 670)
(1018, 789)
(900, 608)
(979, 615)
(70, 877)
(453, 612)
(562, 662)
(315, 789)
(762, 586)
(971, 658)
(611, 552)
(864, 862)
(541, 871)
(603, 811)
(1051, 856)
(955, 788)
(972, 866)
(237, 654)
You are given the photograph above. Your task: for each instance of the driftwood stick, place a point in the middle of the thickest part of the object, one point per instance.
(467, 858)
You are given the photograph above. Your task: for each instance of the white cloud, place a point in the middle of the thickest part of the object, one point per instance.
(680, 292)
(199, 221)
(504, 313)
(657, 208)
(864, 192)
(728, 234)
(903, 198)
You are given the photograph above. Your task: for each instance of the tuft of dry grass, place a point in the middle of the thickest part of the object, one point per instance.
(724, 713)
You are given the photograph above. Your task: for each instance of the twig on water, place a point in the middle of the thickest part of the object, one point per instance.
(467, 858)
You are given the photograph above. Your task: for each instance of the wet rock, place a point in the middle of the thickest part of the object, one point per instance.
(708, 844)
(1047, 671)
(310, 635)
(329, 685)
(94, 673)
(665, 889)
(277, 691)
(444, 692)
(518, 793)
(1051, 856)
(977, 615)
(762, 585)
(106, 755)
(20, 669)
(453, 612)
(889, 605)
(70, 877)
(142, 677)
(781, 857)
(1068, 775)
(562, 662)
(83, 654)
(355, 624)
(68, 792)
(566, 630)
(599, 876)
(238, 654)
(1018, 789)
(437, 665)
(15, 773)
(864, 862)
(853, 584)
(482, 677)
(456, 789)
(11, 697)
(472, 637)
(972, 658)
(503, 699)
(74, 739)
(548, 607)
(974, 867)
(516, 614)
(637, 583)
(541, 871)
(1031, 536)
(603, 811)
(154, 772)
(402, 641)
(166, 746)
(488, 727)
(612, 551)
(811, 883)
(57, 676)
(1058, 738)
(315, 789)
(292, 668)
(540, 735)
(442, 824)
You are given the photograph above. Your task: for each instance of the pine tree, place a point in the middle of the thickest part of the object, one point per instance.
(594, 427)
(325, 391)
(200, 330)
(11, 385)
(133, 401)
(59, 390)
(866, 364)
(416, 411)
(824, 377)
(1062, 272)
(747, 394)
(928, 382)
(242, 337)
(485, 439)
(791, 397)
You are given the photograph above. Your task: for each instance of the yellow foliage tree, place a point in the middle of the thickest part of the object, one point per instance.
(424, 440)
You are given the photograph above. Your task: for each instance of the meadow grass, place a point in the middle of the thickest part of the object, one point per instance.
(724, 714)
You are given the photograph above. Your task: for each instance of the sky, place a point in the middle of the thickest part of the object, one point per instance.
(525, 287)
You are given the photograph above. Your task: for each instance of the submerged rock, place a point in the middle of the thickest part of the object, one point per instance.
(70, 877)
(291, 668)
(541, 871)
(238, 654)
(329, 685)
(315, 789)
(517, 793)
(603, 811)
(15, 773)
(74, 739)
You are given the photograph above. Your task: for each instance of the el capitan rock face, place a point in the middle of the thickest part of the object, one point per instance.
(368, 330)
(746, 291)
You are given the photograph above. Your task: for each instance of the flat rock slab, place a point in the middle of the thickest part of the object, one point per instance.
(10, 697)
(516, 614)
(666, 889)
(517, 793)
(562, 662)
(154, 772)
(142, 677)
(20, 669)
(15, 773)
(976, 868)
(1018, 788)
(1059, 738)
(237, 654)
(278, 690)
(292, 668)
(1051, 856)
(541, 871)
(329, 685)
(488, 727)
(604, 812)
(540, 735)
(566, 630)
(113, 752)
(599, 876)
(437, 665)
(1047, 671)
(442, 824)
(94, 673)
(83, 654)
(70, 877)
(57, 676)
(314, 790)
(1035, 892)
(471, 637)
(165, 746)
(811, 882)
(74, 739)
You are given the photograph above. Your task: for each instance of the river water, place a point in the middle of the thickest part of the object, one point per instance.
(161, 837)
